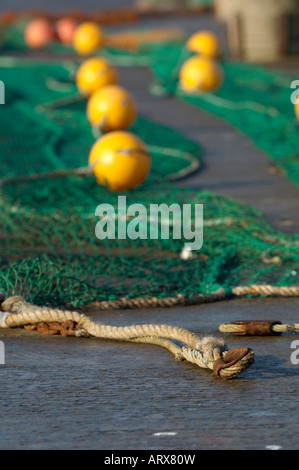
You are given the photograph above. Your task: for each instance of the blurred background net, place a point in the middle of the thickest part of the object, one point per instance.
(256, 100)
(50, 253)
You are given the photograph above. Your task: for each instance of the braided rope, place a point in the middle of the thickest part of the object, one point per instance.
(22, 313)
(197, 299)
(267, 290)
(180, 300)
(143, 302)
(204, 352)
(233, 328)
(286, 328)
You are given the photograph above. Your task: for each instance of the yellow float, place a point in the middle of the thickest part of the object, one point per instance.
(120, 161)
(95, 73)
(200, 74)
(88, 38)
(111, 108)
(204, 43)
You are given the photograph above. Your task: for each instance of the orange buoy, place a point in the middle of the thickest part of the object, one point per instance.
(65, 28)
(39, 33)
(111, 108)
(95, 73)
(200, 74)
(120, 161)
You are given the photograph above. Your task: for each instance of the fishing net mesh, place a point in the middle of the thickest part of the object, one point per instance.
(50, 253)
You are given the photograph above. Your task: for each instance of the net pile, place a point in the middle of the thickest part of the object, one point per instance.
(50, 253)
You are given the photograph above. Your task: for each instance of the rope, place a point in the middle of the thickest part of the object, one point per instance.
(286, 328)
(266, 290)
(233, 328)
(197, 299)
(156, 88)
(222, 102)
(143, 302)
(194, 165)
(181, 300)
(207, 352)
(63, 173)
(60, 102)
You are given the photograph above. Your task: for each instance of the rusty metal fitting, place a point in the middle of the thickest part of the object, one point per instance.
(30, 327)
(255, 328)
(237, 360)
(67, 328)
(48, 328)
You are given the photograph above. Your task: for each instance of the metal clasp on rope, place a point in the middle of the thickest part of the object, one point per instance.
(258, 328)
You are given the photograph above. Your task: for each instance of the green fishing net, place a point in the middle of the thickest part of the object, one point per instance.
(255, 100)
(50, 253)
